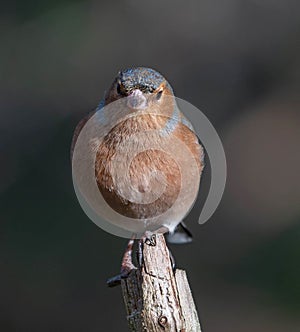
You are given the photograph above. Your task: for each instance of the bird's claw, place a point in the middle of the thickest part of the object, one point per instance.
(150, 240)
(116, 280)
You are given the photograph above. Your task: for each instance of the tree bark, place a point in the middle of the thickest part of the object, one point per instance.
(156, 299)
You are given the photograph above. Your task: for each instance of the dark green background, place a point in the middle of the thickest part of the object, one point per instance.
(238, 61)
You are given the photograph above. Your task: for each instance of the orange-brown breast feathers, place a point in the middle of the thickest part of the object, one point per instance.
(151, 178)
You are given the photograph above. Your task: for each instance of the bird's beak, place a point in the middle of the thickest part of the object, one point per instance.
(137, 100)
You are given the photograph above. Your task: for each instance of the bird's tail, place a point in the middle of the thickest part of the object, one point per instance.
(180, 235)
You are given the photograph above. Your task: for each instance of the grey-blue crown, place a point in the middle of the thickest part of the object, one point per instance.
(145, 79)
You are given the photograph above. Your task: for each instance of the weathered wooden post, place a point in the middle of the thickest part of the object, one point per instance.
(156, 299)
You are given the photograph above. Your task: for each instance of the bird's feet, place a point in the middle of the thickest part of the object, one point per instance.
(126, 267)
(149, 238)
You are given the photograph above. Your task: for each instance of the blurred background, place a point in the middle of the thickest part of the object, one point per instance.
(237, 61)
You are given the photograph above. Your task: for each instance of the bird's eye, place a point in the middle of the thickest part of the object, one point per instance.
(159, 94)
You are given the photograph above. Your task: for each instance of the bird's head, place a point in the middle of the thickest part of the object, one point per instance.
(141, 86)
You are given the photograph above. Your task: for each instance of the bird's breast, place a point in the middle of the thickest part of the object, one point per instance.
(140, 166)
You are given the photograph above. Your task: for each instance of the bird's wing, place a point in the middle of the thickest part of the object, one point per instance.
(81, 124)
(78, 129)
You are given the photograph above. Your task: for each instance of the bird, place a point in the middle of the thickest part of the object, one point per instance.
(156, 177)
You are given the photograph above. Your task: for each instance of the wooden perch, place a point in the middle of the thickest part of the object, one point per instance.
(156, 299)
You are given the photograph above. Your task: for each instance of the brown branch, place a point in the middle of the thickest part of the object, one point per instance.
(156, 300)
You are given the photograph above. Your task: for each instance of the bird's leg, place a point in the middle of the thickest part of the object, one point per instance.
(126, 266)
